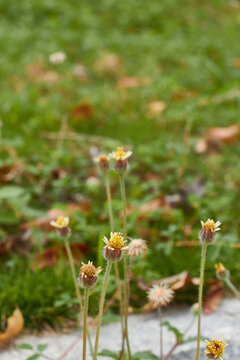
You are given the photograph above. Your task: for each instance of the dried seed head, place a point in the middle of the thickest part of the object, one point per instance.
(88, 275)
(103, 162)
(114, 247)
(61, 225)
(215, 349)
(120, 159)
(137, 247)
(209, 228)
(221, 272)
(160, 295)
(57, 58)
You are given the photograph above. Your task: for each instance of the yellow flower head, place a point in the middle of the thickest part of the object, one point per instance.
(89, 270)
(120, 154)
(210, 225)
(215, 349)
(220, 268)
(61, 222)
(116, 241)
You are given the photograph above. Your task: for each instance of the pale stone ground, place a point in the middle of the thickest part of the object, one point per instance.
(144, 335)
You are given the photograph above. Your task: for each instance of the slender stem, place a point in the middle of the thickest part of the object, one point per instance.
(74, 277)
(109, 201)
(71, 261)
(203, 258)
(125, 262)
(161, 332)
(189, 326)
(110, 213)
(232, 288)
(171, 350)
(86, 296)
(101, 304)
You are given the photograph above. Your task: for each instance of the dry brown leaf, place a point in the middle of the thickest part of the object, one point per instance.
(82, 111)
(110, 63)
(51, 255)
(15, 324)
(225, 135)
(130, 82)
(156, 108)
(160, 202)
(37, 73)
(213, 298)
(183, 94)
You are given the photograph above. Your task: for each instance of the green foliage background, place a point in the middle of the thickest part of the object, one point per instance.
(187, 49)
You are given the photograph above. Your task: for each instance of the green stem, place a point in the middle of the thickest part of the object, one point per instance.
(74, 277)
(125, 263)
(86, 296)
(161, 334)
(203, 258)
(101, 304)
(110, 213)
(232, 288)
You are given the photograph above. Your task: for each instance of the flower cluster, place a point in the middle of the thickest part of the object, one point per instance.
(61, 225)
(120, 159)
(88, 275)
(114, 247)
(215, 349)
(209, 228)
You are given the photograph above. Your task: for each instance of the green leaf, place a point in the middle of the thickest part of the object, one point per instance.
(42, 347)
(10, 191)
(148, 355)
(174, 330)
(25, 347)
(34, 357)
(109, 353)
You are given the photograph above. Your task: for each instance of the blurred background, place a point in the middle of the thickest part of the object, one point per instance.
(80, 78)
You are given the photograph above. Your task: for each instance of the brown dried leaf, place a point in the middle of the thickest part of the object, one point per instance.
(160, 202)
(156, 108)
(110, 63)
(15, 325)
(37, 73)
(225, 135)
(130, 82)
(51, 255)
(82, 111)
(213, 298)
(184, 94)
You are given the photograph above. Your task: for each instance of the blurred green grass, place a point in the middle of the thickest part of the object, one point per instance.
(187, 50)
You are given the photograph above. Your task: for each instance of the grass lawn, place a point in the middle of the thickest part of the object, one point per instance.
(153, 76)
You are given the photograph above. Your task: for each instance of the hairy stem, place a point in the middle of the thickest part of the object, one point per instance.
(110, 214)
(86, 296)
(74, 277)
(203, 258)
(101, 304)
(161, 332)
(125, 263)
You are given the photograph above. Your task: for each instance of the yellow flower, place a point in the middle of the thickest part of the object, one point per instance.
(210, 225)
(88, 275)
(215, 349)
(220, 268)
(120, 154)
(61, 222)
(116, 241)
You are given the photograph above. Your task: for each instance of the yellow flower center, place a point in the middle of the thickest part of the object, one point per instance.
(210, 225)
(216, 348)
(61, 222)
(220, 268)
(88, 270)
(116, 241)
(120, 152)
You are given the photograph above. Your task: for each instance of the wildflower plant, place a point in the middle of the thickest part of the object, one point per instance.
(223, 274)
(206, 237)
(215, 349)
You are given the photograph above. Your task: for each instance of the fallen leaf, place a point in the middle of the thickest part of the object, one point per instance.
(110, 63)
(130, 82)
(183, 94)
(213, 298)
(15, 324)
(82, 111)
(51, 255)
(160, 202)
(37, 73)
(225, 135)
(156, 108)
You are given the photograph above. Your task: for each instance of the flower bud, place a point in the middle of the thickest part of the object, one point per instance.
(221, 272)
(120, 159)
(61, 226)
(207, 233)
(194, 309)
(88, 275)
(103, 162)
(114, 247)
